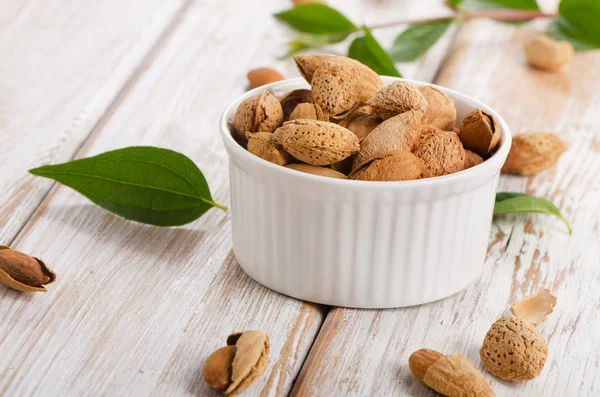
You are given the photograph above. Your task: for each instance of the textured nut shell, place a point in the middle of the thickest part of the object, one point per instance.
(261, 112)
(546, 53)
(396, 98)
(217, 369)
(472, 159)
(442, 153)
(316, 170)
(532, 153)
(310, 111)
(292, 99)
(534, 308)
(424, 134)
(479, 132)
(455, 376)
(317, 142)
(361, 124)
(390, 166)
(420, 361)
(397, 133)
(23, 272)
(440, 112)
(263, 145)
(261, 76)
(513, 349)
(335, 89)
(368, 81)
(250, 361)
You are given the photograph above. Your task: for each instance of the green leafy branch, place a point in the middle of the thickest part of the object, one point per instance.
(318, 25)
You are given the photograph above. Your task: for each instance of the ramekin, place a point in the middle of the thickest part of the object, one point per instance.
(357, 243)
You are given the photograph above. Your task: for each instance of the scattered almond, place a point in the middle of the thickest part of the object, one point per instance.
(532, 153)
(513, 349)
(310, 111)
(479, 132)
(396, 98)
(390, 166)
(261, 76)
(23, 272)
(261, 112)
(317, 142)
(440, 112)
(546, 53)
(534, 308)
(442, 153)
(315, 170)
(453, 375)
(263, 145)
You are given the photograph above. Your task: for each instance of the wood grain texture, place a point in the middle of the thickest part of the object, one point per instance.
(364, 353)
(62, 65)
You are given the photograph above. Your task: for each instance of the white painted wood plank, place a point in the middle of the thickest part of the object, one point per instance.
(62, 64)
(136, 310)
(360, 352)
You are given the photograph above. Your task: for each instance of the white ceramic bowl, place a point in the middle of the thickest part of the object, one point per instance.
(357, 243)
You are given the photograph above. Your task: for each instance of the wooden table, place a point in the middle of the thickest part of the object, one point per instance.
(136, 309)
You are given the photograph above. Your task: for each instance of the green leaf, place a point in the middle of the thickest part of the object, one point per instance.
(519, 203)
(145, 184)
(368, 51)
(411, 44)
(316, 18)
(578, 23)
(530, 5)
(305, 41)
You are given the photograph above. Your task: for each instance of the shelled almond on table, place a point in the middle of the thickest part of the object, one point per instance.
(351, 123)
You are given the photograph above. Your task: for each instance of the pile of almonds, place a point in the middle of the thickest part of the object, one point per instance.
(350, 126)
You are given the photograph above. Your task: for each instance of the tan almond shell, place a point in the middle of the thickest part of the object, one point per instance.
(336, 90)
(361, 124)
(250, 361)
(479, 132)
(471, 159)
(316, 170)
(420, 361)
(534, 308)
(368, 80)
(390, 166)
(513, 349)
(425, 133)
(263, 145)
(397, 98)
(261, 76)
(344, 166)
(546, 53)
(455, 376)
(442, 153)
(290, 100)
(23, 272)
(310, 111)
(261, 112)
(217, 369)
(533, 152)
(440, 112)
(317, 142)
(397, 133)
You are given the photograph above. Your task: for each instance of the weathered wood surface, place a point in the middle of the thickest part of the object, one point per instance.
(365, 353)
(136, 310)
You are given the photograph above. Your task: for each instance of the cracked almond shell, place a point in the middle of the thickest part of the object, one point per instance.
(534, 308)
(513, 349)
(440, 112)
(480, 132)
(532, 153)
(368, 81)
(22, 272)
(290, 100)
(442, 153)
(397, 133)
(316, 170)
(335, 90)
(397, 98)
(263, 145)
(259, 113)
(317, 142)
(310, 111)
(390, 166)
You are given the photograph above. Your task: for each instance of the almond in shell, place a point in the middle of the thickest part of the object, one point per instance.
(442, 153)
(308, 111)
(261, 112)
(315, 170)
(317, 142)
(335, 89)
(399, 165)
(440, 112)
(290, 100)
(362, 121)
(396, 98)
(263, 145)
(532, 153)
(480, 132)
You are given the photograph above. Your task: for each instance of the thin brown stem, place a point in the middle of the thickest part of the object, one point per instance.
(406, 22)
(516, 15)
